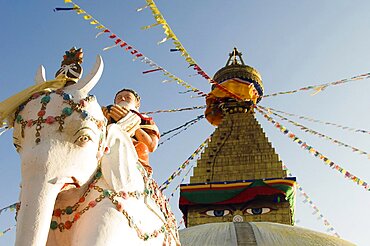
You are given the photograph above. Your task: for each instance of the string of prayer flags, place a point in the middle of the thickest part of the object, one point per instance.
(179, 47)
(119, 42)
(319, 88)
(186, 125)
(2, 233)
(322, 122)
(183, 125)
(314, 152)
(308, 200)
(168, 31)
(175, 110)
(184, 164)
(10, 207)
(182, 180)
(316, 133)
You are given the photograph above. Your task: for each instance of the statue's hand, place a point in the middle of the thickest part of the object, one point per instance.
(106, 113)
(117, 112)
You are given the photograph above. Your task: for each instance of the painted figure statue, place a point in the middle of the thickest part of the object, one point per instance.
(82, 183)
(142, 129)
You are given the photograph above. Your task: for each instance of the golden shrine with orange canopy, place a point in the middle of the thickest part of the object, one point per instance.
(239, 79)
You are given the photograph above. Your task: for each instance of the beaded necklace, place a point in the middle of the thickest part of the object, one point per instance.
(151, 190)
(67, 111)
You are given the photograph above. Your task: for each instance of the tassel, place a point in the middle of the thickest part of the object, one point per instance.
(173, 50)
(141, 8)
(63, 9)
(162, 41)
(149, 26)
(110, 47)
(153, 70)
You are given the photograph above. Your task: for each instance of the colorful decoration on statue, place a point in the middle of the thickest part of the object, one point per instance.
(67, 111)
(314, 152)
(70, 66)
(151, 190)
(308, 200)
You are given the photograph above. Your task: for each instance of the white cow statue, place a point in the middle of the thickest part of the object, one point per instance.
(82, 183)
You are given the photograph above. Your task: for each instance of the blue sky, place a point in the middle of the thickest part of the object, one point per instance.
(292, 44)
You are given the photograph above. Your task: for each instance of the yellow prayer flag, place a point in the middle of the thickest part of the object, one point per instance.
(67, 1)
(94, 22)
(190, 60)
(80, 11)
(100, 27)
(87, 17)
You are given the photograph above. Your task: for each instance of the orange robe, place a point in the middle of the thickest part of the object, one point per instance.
(141, 148)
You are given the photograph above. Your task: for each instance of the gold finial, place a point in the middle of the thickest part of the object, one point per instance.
(233, 58)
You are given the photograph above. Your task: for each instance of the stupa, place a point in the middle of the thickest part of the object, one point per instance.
(239, 193)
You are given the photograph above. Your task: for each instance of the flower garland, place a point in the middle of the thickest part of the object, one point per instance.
(67, 111)
(151, 190)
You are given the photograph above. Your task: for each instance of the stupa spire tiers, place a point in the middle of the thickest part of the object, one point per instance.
(239, 177)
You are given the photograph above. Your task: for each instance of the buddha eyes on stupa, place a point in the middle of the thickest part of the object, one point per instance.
(218, 212)
(257, 211)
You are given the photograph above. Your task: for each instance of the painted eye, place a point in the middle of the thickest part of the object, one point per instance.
(256, 211)
(83, 140)
(218, 212)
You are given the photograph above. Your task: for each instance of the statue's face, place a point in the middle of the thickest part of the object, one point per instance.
(127, 99)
